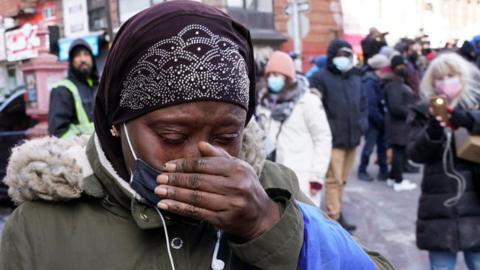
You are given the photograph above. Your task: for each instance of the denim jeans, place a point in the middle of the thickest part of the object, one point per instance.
(445, 260)
(374, 137)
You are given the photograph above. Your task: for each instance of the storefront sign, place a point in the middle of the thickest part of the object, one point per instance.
(22, 43)
(3, 53)
(64, 46)
(75, 18)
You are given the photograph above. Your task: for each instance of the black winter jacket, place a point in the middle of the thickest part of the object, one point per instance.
(439, 227)
(399, 99)
(344, 100)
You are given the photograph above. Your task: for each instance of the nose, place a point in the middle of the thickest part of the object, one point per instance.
(190, 150)
(84, 58)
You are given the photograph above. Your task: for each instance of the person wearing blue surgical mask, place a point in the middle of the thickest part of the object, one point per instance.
(276, 82)
(297, 131)
(346, 106)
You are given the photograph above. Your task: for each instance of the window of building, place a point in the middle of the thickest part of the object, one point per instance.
(254, 5)
(255, 14)
(97, 15)
(235, 3)
(48, 13)
(128, 8)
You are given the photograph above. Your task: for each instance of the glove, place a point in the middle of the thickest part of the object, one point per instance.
(315, 187)
(434, 130)
(461, 118)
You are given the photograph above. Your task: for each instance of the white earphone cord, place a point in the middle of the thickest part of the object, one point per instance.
(165, 230)
(167, 239)
(129, 142)
(448, 160)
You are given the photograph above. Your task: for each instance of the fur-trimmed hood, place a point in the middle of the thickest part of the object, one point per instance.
(54, 169)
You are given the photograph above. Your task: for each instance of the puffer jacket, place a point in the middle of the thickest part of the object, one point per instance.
(399, 99)
(344, 100)
(76, 213)
(439, 227)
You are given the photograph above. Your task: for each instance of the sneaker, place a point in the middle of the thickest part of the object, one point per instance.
(404, 185)
(364, 176)
(390, 182)
(408, 181)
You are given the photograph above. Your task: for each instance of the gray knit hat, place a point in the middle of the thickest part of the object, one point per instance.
(378, 61)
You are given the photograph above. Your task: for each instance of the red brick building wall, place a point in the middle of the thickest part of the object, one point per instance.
(323, 17)
(114, 13)
(11, 8)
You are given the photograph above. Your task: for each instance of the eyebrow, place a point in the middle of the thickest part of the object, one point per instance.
(186, 120)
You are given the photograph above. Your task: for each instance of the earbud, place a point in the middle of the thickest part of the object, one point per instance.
(218, 264)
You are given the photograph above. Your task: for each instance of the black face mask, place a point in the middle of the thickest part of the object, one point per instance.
(402, 72)
(413, 57)
(143, 179)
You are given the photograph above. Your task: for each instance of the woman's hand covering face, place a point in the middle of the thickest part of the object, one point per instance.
(220, 189)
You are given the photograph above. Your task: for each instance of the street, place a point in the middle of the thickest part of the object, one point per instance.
(385, 220)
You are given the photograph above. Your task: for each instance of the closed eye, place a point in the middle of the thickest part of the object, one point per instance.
(174, 139)
(225, 139)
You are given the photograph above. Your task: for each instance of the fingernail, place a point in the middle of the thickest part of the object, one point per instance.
(163, 206)
(170, 167)
(162, 179)
(161, 191)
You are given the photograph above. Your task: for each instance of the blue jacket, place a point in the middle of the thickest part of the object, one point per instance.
(327, 246)
(375, 98)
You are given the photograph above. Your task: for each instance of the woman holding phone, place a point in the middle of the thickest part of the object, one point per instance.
(449, 205)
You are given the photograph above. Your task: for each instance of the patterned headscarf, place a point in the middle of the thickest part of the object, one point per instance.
(172, 53)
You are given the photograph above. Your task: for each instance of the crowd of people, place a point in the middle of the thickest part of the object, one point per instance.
(187, 142)
(387, 100)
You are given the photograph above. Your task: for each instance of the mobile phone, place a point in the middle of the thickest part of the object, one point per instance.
(439, 107)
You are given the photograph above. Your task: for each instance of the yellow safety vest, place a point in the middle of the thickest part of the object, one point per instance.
(84, 125)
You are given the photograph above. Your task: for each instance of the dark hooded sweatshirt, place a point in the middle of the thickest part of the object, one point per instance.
(344, 100)
(62, 111)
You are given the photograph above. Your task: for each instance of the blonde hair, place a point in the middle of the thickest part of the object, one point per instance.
(469, 75)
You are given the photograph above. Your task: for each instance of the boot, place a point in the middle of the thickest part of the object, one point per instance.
(364, 176)
(347, 226)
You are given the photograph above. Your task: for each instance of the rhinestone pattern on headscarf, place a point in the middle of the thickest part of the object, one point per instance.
(193, 65)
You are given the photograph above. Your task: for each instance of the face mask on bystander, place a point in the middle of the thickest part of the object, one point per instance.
(451, 87)
(343, 63)
(276, 83)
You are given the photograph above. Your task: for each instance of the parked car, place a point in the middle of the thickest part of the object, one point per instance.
(14, 123)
